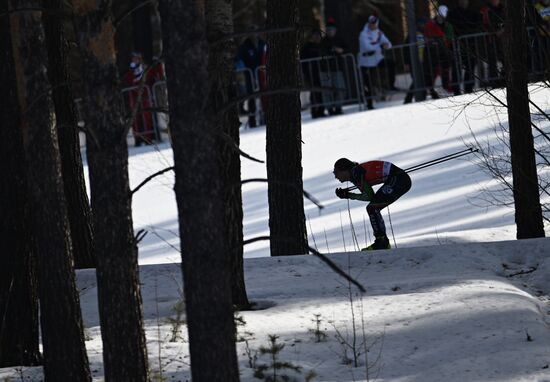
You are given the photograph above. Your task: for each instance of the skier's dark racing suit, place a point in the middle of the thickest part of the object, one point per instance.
(396, 182)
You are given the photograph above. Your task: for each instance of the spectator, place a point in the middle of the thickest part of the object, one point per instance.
(439, 36)
(542, 8)
(424, 63)
(332, 42)
(335, 47)
(372, 43)
(493, 24)
(250, 53)
(466, 21)
(142, 126)
(312, 72)
(240, 81)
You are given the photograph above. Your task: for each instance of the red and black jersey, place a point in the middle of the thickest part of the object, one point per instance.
(371, 172)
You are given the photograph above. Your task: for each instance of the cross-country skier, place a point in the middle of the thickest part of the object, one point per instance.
(395, 182)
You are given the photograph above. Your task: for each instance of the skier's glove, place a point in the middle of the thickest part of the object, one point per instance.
(342, 194)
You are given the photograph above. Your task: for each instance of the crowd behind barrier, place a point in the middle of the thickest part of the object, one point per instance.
(450, 62)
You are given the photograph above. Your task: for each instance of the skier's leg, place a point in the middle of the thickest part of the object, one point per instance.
(397, 184)
(376, 219)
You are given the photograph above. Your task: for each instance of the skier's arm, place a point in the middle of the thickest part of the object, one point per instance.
(365, 196)
(358, 173)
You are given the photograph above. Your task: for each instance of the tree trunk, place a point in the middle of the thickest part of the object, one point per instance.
(219, 21)
(192, 80)
(528, 213)
(67, 130)
(65, 356)
(18, 298)
(284, 152)
(120, 306)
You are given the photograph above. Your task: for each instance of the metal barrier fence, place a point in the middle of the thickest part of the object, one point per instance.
(460, 66)
(465, 64)
(144, 127)
(339, 76)
(248, 82)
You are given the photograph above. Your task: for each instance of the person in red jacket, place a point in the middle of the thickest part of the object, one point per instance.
(142, 127)
(439, 46)
(395, 183)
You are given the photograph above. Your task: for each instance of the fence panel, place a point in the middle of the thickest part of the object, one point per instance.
(144, 126)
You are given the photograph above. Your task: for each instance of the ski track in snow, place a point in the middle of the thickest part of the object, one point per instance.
(448, 310)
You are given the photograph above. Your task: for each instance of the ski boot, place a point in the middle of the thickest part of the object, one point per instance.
(381, 242)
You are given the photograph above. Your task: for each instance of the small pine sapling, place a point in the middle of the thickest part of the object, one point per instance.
(274, 371)
(319, 334)
(177, 321)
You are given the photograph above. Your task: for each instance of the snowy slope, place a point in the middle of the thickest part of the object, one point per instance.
(443, 205)
(441, 306)
(438, 313)
(443, 312)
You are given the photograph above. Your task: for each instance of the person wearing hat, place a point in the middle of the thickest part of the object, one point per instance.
(439, 37)
(372, 43)
(335, 47)
(142, 127)
(395, 183)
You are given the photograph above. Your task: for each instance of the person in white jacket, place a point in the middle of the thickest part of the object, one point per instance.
(372, 43)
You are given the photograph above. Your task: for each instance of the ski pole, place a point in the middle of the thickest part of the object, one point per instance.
(443, 158)
(438, 161)
(433, 162)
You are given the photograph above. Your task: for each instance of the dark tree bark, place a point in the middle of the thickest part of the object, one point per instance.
(219, 23)
(284, 152)
(65, 356)
(120, 306)
(194, 93)
(18, 295)
(124, 37)
(67, 131)
(528, 213)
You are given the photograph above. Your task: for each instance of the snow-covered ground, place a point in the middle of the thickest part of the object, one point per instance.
(453, 302)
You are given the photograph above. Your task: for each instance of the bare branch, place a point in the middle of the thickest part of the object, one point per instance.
(151, 177)
(322, 257)
(306, 194)
(257, 32)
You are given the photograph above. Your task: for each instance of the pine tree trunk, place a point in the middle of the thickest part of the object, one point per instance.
(120, 305)
(219, 21)
(528, 214)
(67, 130)
(284, 152)
(18, 298)
(65, 356)
(199, 194)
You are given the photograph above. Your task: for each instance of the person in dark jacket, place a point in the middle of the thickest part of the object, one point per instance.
(311, 70)
(492, 14)
(423, 61)
(335, 47)
(250, 54)
(466, 21)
